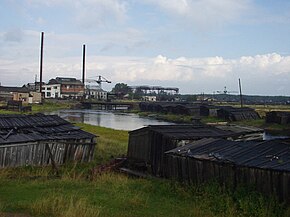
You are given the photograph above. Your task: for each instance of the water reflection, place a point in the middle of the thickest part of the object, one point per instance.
(269, 136)
(114, 120)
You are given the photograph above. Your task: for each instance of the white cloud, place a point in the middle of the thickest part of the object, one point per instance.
(88, 13)
(96, 11)
(13, 35)
(266, 73)
(205, 12)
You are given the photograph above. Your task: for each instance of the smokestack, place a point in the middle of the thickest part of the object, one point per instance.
(41, 61)
(241, 97)
(84, 62)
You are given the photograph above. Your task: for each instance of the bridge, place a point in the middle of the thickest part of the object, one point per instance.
(107, 105)
(170, 90)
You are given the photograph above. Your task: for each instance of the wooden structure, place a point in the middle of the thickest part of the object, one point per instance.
(147, 145)
(179, 108)
(263, 164)
(237, 114)
(7, 93)
(42, 140)
(208, 110)
(279, 117)
(101, 105)
(17, 106)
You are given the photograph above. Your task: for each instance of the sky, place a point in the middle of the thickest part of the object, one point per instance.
(198, 46)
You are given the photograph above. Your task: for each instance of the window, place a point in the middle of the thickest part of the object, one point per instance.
(48, 94)
(49, 88)
(55, 87)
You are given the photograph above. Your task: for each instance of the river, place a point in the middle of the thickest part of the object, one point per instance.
(123, 121)
(114, 120)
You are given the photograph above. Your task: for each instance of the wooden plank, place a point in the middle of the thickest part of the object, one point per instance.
(52, 159)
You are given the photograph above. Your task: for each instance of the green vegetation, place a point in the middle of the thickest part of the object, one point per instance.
(76, 192)
(47, 106)
(110, 143)
(52, 105)
(167, 117)
(8, 112)
(112, 194)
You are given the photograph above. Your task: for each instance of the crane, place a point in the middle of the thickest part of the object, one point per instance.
(98, 81)
(225, 91)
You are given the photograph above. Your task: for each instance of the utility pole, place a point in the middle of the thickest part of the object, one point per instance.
(241, 97)
(41, 62)
(35, 82)
(84, 62)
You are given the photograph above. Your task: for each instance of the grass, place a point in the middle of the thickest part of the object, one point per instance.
(48, 106)
(60, 205)
(118, 195)
(111, 143)
(167, 117)
(36, 192)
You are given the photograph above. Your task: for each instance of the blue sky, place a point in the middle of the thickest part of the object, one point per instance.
(195, 45)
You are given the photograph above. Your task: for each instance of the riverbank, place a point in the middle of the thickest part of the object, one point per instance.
(272, 128)
(35, 191)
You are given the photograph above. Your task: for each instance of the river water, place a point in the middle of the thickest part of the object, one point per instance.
(114, 120)
(123, 121)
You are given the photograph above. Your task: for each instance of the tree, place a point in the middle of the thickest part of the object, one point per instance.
(121, 89)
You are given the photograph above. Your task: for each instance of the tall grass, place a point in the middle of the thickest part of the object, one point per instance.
(110, 143)
(64, 206)
(114, 194)
(35, 191)
(48, 106)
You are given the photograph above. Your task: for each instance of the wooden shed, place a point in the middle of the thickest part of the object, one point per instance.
(279, 117)
(191, 109)
(42, 140)
(237, 114)
(263, 164)
(147, 145)
(209, 110)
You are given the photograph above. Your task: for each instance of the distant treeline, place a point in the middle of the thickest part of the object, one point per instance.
(247, 99)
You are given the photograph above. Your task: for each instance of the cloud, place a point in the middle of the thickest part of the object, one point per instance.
(261, 74)
(13, 35)
(91, 13)
(88, 13)
(202, 13)
(128, 39)
(205, 12)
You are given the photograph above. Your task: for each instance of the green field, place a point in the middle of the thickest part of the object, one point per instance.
(36, 191)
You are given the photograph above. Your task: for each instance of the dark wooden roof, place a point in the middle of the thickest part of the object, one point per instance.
(65, 80)
(14, 89)
(274, 154)
(31, 128)
(190, 131)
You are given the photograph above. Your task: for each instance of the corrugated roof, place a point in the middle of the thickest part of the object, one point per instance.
(30, 128)
(274, 154)
(30, 121)
(189, 131)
